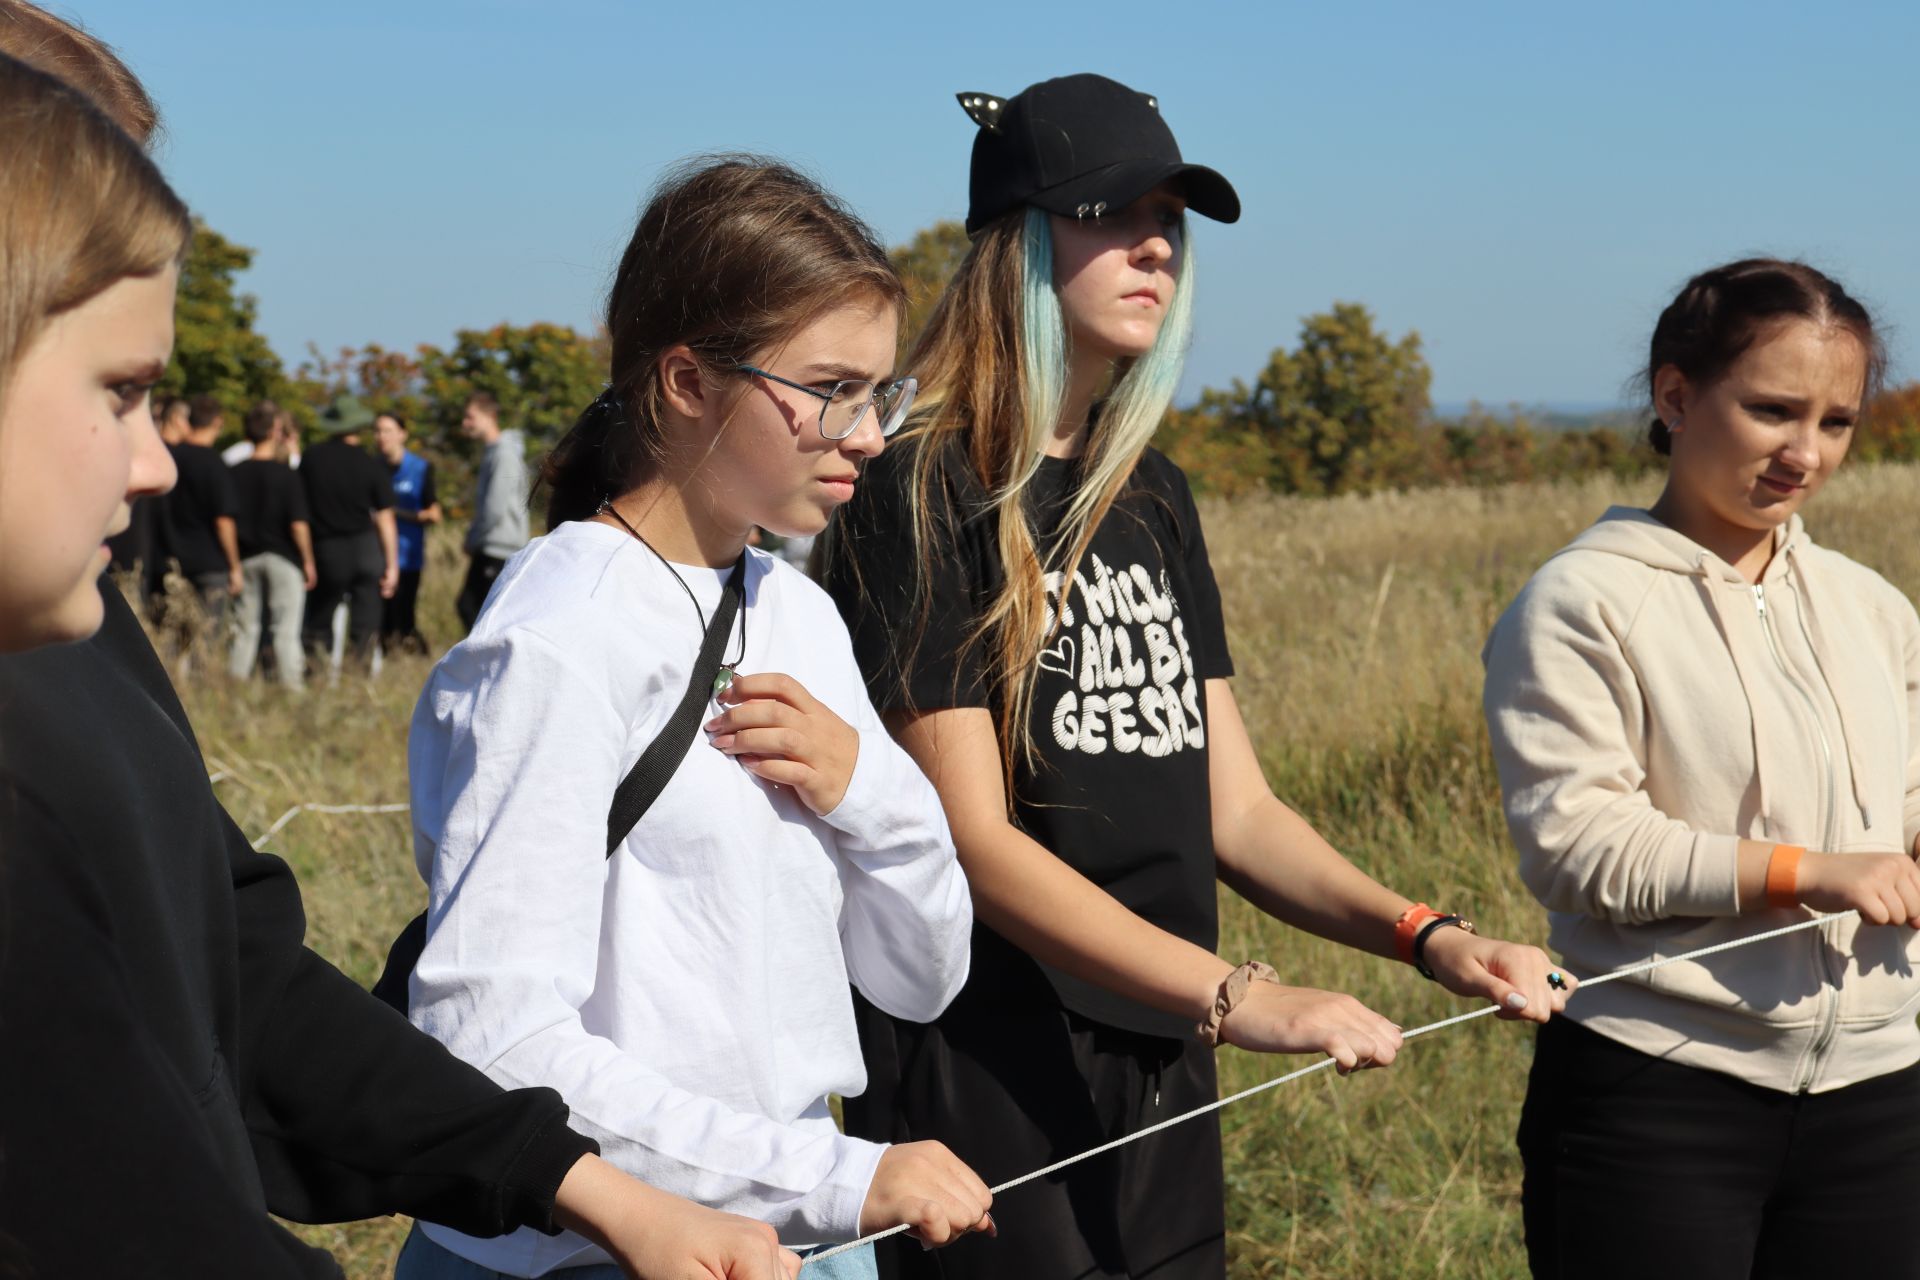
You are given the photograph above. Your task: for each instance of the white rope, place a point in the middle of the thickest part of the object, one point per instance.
(1241, 1096)
(1324, 1063)
(299, 809)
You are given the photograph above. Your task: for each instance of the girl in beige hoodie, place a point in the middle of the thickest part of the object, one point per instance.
(1705, 727)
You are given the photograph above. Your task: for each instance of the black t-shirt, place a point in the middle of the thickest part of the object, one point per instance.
(1119, 789)
(203, 494)
(345, 486)
(271, 498)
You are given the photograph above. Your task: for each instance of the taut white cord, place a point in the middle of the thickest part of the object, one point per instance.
(1324, 1063)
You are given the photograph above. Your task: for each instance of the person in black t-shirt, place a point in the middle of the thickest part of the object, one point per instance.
(276, 551)
(199, 514)
(350, 500)
(1032, 603)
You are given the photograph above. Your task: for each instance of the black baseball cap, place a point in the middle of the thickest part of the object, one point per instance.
(1079, 146)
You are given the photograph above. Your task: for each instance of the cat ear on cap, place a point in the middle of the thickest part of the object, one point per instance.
(983, 109)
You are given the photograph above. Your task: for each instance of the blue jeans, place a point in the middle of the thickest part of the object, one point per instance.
(422, 1259)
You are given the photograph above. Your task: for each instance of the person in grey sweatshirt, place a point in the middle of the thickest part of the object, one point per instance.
(499, 525)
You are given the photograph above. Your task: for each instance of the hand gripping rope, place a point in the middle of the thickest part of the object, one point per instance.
(1324, 1063)
(1643, 967)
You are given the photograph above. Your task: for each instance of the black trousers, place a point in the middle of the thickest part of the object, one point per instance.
(1011, 1087)
(398, 626)
(1640, 1167)
(481, 571)
(346, 568)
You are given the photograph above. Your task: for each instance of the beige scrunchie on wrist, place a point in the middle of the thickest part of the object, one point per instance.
(1232, 992)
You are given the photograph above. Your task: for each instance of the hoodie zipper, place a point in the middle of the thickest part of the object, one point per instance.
(1830, 1000)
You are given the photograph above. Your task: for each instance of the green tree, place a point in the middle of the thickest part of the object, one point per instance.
(1344, 412)
(215, 348)
(1345, 408)
(926, 263)
(388, 381)
(543, 375)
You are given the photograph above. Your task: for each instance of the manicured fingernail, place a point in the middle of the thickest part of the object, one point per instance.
(1515, 1000)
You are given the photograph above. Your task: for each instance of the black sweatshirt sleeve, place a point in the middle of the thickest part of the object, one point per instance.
(105, 1168)
(353, 1112)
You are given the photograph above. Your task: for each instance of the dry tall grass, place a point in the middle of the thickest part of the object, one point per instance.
(1356, 626)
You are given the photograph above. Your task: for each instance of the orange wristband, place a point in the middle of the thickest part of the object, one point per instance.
(1407, 928)
(1783, 875)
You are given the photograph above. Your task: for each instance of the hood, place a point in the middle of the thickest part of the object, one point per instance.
(1636, 535)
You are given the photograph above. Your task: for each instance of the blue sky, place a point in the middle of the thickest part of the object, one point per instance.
(1525, 185)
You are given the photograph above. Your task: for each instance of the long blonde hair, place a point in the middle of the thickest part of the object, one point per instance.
(81, 207)
(992, 363)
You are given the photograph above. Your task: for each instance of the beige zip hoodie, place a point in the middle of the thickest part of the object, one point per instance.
(1649, 707)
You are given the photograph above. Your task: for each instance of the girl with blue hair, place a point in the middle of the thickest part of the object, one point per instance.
(1030, 598)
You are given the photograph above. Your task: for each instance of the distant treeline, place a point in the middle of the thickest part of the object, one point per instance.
(1346, 410)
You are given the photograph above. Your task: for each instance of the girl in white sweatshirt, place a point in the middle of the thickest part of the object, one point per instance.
(688, 993)
(1700, 715)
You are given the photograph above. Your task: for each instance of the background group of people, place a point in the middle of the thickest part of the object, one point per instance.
(273, 541)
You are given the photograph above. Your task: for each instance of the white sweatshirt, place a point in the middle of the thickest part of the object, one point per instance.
(687, 996)
(1649, 708)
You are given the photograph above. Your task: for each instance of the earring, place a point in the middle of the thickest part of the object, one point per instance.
(1678, 425)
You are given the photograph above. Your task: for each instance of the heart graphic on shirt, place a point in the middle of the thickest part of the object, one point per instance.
(1059, 658)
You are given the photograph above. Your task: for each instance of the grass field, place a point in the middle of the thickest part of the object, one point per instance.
(1356, 626)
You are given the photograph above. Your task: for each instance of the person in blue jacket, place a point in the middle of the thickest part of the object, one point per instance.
(416, 504)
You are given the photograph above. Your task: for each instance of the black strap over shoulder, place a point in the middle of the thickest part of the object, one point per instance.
(652, 771)
(636, 792)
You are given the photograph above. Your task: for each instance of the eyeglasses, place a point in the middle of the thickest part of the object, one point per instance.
(845, 407)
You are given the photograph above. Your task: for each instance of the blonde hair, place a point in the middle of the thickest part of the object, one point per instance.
(81, 207)
(992, 364)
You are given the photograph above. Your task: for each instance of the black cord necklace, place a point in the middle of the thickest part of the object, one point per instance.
(727, 667)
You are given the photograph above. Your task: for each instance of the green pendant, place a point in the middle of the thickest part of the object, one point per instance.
(722, 681)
